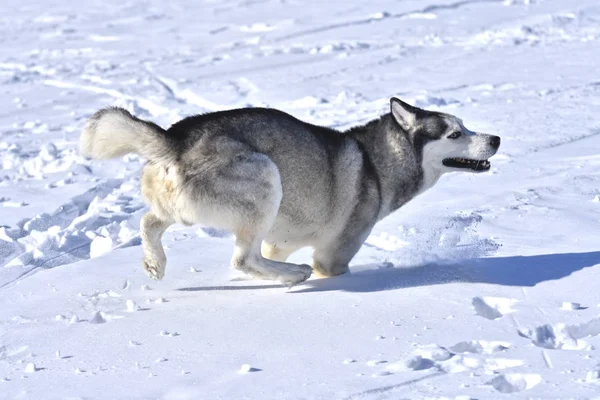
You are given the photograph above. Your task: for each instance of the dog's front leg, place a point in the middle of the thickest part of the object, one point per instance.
(333, 259)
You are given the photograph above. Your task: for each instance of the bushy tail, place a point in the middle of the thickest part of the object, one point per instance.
(113, 132)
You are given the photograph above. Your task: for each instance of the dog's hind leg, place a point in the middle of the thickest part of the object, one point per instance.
(248, 259)
(262, 197)
(242, 193)
(151, 230)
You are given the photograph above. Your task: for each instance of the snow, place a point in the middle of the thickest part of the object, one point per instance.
(483, 287)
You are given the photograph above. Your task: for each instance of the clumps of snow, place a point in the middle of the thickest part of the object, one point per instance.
(562, 336)
(493, 307)
(349, 361)
(434, 352)
(479, 346)
(168, 334)
(14, 204)
(132, 306)
(30, 368)
(100, 245)
(569, 306)
(513, 383)
(418, 363)
(553, 337)
(246, 368)
(89, 225)
(593, 376)
(372, 363)
(97, 318)
(379, 15)
(452, 360)
(444, 241)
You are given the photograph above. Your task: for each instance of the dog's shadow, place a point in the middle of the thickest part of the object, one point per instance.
(506, 271)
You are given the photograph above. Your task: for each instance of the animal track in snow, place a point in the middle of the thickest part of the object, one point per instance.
(464, 356)
(89, 225)
(513, 383)
(493, 307)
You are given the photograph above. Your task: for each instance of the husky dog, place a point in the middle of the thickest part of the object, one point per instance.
(279, 184)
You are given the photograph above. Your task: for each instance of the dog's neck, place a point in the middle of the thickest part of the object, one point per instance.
(395, 160)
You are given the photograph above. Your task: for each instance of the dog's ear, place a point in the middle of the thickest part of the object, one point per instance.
(404, 114)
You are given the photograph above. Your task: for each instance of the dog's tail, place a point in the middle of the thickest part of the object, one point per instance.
(113, 132)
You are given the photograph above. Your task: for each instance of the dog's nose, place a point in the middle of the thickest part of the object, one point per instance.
(495, 141)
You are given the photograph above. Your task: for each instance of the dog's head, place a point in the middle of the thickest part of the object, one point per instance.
(443, 142)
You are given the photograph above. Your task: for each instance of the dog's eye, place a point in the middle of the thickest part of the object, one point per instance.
(454, 135)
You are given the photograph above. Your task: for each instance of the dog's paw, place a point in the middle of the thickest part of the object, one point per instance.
(154, 269)
(295, 274)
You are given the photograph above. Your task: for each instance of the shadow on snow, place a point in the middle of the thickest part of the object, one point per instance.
(507, 271)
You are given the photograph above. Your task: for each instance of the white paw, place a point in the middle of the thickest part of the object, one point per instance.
(154, 270)
(295, 274)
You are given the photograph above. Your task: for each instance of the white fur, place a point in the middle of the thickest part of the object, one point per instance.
(114, 132)
(469, 145)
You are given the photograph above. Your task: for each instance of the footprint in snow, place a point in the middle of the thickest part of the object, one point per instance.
(562, 336)
(493, 307)
(513, 383)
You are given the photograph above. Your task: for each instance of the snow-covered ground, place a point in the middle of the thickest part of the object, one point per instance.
(483, 286)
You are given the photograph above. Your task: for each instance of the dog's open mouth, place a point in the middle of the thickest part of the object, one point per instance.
(475, 165)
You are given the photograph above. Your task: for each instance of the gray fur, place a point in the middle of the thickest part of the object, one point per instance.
(269, 177)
